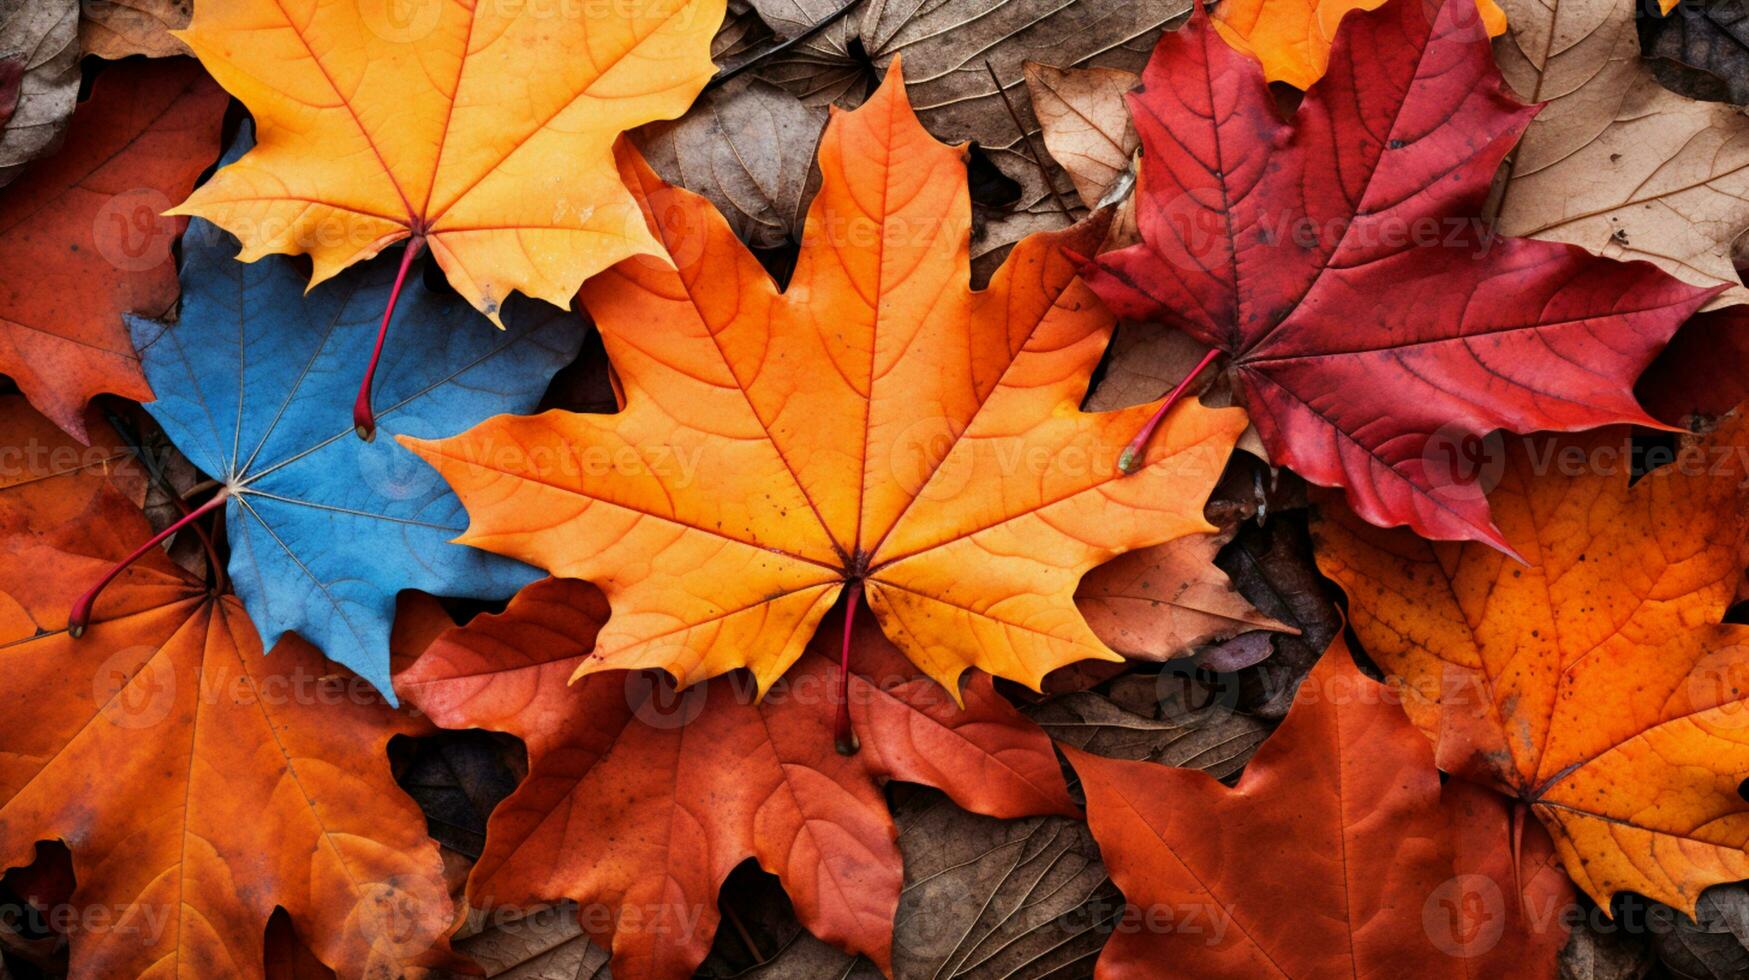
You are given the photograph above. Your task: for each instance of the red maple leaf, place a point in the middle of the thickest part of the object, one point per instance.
(1375, 326)
(640, 800)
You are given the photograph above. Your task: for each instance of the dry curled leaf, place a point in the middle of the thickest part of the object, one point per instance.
(1614, 162)
(1594, 682)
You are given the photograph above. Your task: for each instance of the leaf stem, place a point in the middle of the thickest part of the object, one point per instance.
(1026, 141)
(177, 500)
(364, 421)
(722, 77)
(1131, 458)
(843, 735)
(80, 616)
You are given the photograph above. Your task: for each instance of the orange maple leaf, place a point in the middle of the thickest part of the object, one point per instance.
(1596, 683)
(1393, 875)
(1292, 37)
(197, 783)
(878, 426)
(48, 479)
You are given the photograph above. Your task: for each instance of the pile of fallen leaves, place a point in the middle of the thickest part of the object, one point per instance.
(793, 489)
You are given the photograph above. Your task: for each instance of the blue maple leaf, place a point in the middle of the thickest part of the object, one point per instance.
(254, 384)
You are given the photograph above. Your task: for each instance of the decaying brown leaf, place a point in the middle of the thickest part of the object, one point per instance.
(548, 944)
(1180, 731)
(748, 146)
(1085, 124)
(40, 39)
(120, 28)
(1272, 565)
(1700, 49)
(950, 50)
(1615, 162)
(1165, 601)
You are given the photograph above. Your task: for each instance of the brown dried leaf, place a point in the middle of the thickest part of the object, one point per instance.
(1185, 732)
(1700, 49)
(1085, 123)
(1615, 162)
(945, 45)
(749, 147)
(40, 37)
(120, 28)
(1165, 601)
(545, 945)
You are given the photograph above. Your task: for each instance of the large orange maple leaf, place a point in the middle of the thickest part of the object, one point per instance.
(484, 130)
(1596, 683)
(878, 426)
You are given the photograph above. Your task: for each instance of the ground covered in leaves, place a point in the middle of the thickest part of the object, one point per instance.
(791, 489)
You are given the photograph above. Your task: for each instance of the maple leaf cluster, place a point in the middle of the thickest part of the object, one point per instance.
(680, 489)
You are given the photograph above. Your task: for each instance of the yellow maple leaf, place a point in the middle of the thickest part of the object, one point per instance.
(483, 130)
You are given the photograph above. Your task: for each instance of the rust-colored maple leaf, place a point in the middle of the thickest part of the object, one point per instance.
(81, 241)
(197, 783)
(640, 801)
(48, 479)
(1392, 874)
(1595, 683)
(878, 427)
